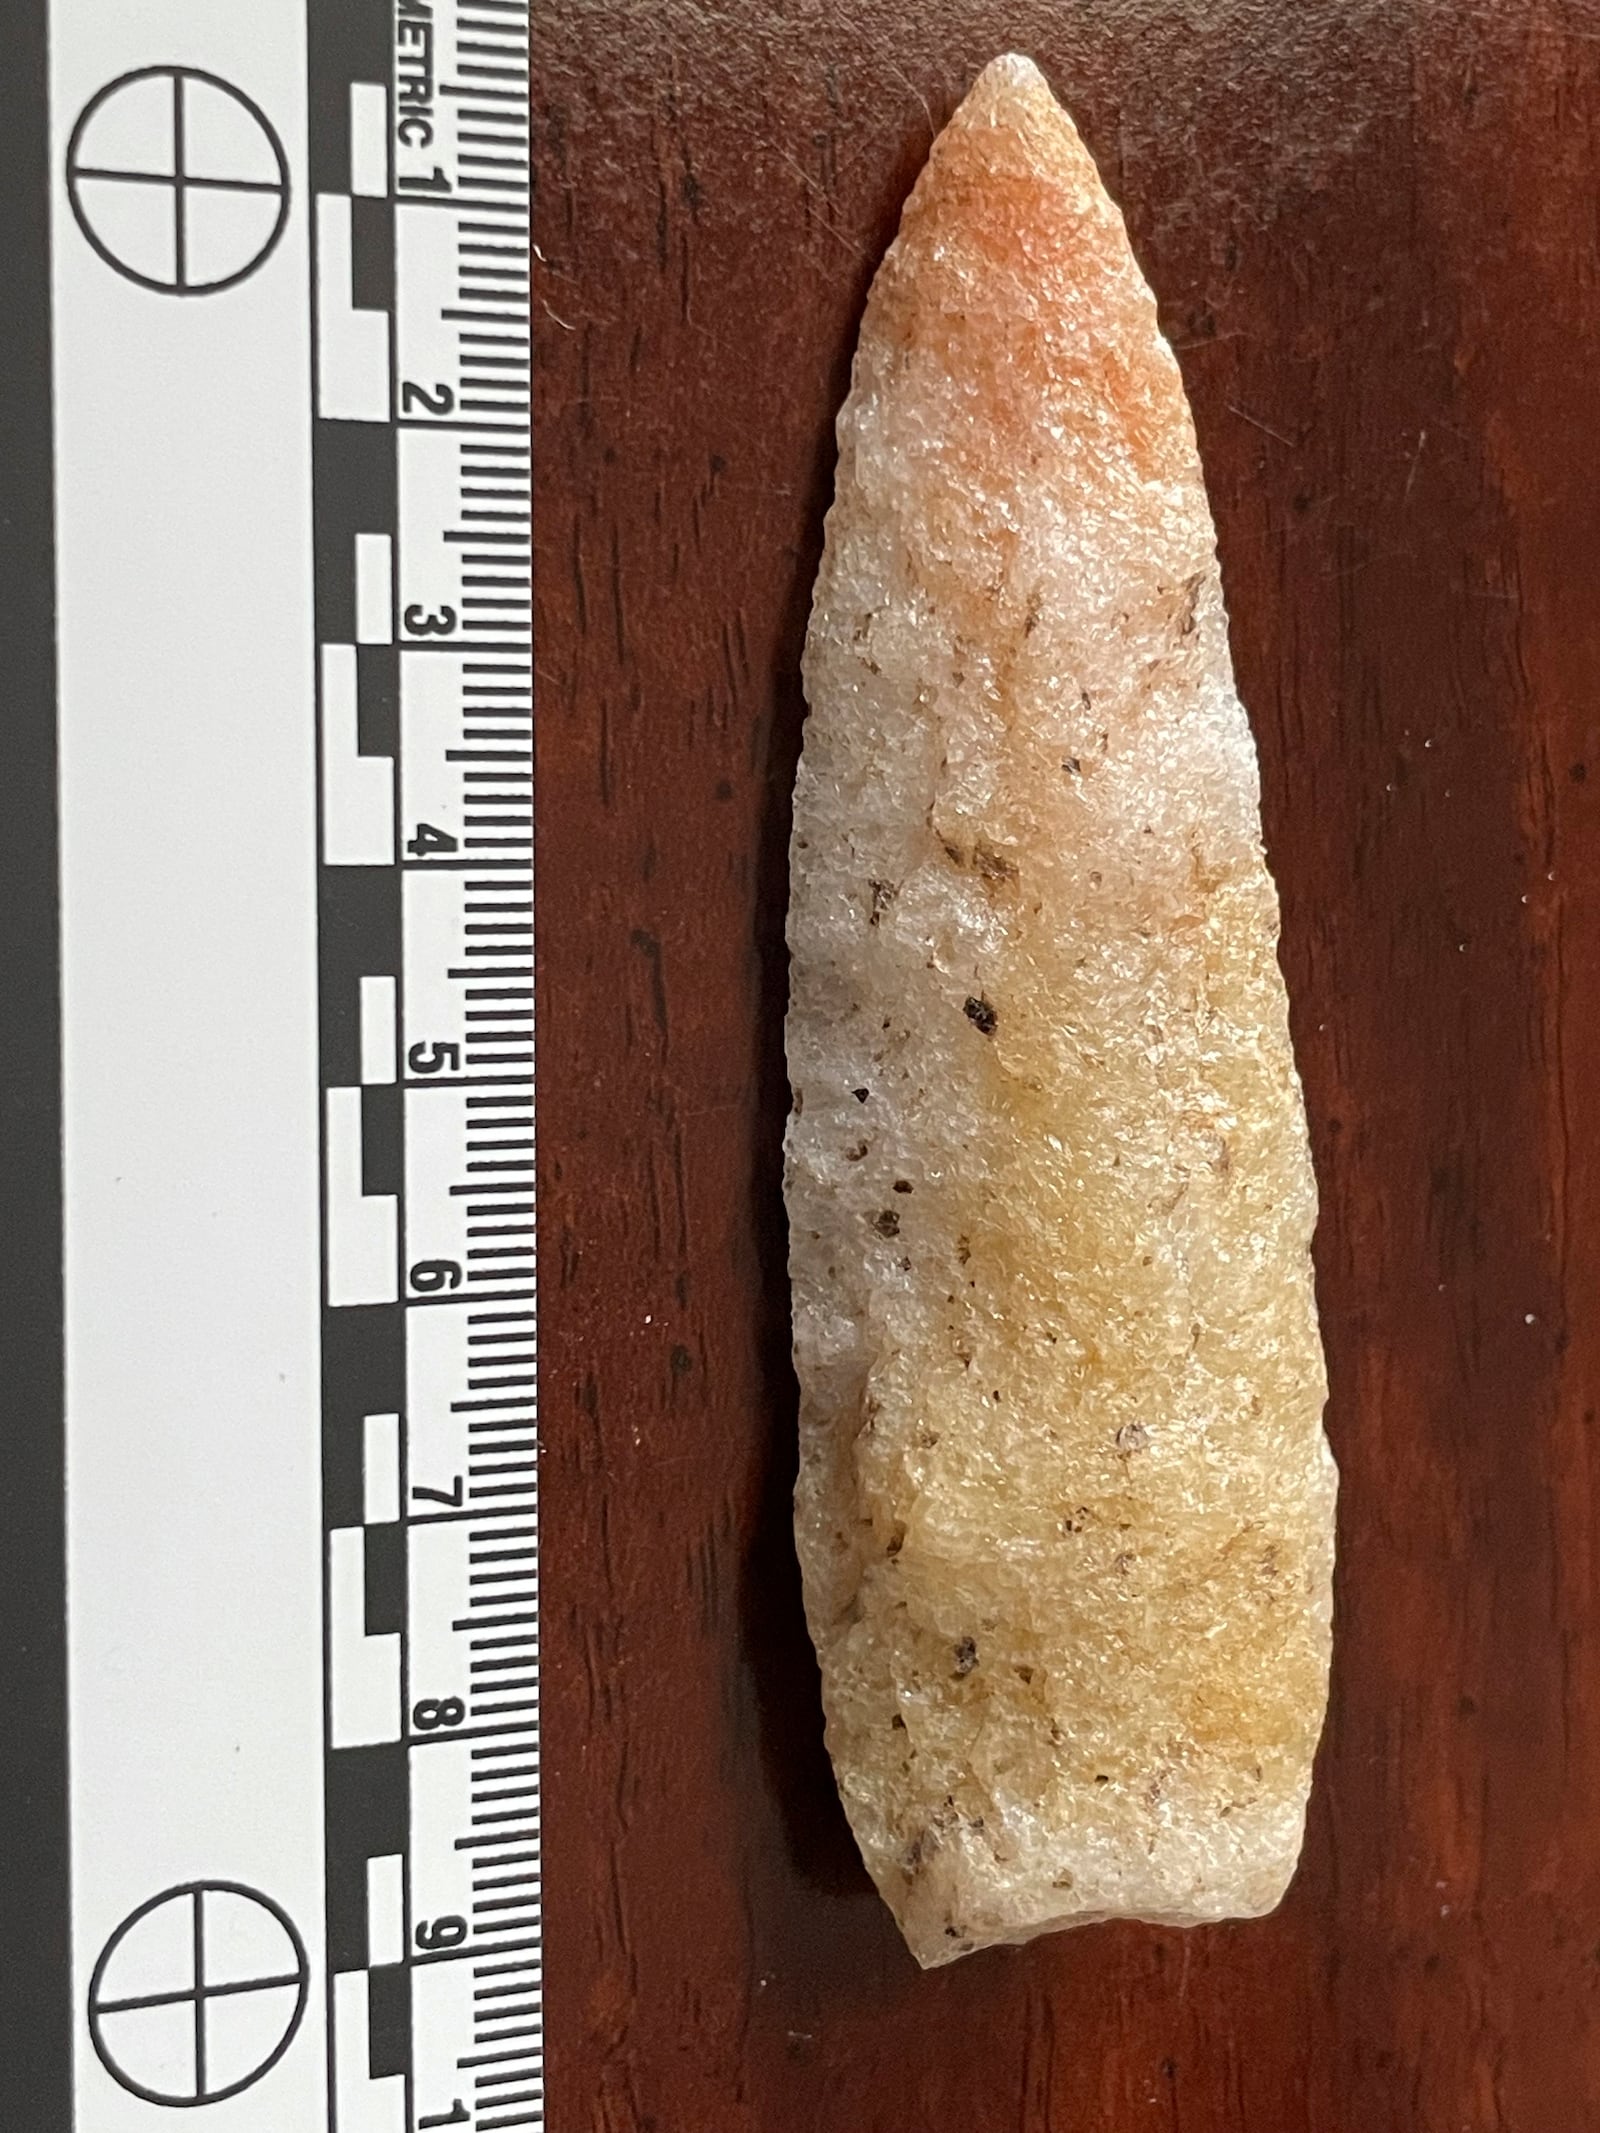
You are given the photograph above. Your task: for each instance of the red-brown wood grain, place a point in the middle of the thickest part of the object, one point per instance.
(1374, 230)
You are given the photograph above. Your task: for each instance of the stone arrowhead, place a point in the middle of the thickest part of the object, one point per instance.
(1065, 1508)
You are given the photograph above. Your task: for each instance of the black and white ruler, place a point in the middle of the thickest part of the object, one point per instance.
(290, 367)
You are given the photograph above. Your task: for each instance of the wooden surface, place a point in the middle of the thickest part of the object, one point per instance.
(1372, 228)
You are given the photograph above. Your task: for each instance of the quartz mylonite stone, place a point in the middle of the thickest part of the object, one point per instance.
(1065, 1508)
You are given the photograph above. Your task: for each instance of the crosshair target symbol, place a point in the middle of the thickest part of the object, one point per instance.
(198, 1994)
(177, 180)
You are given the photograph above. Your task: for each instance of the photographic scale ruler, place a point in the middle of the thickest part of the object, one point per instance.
(291, 373)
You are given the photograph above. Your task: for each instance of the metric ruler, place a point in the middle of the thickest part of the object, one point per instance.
(290, 361)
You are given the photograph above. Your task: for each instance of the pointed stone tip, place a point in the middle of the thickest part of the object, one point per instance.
(1011, 80)
(1011, 97)
(1011, 262)
(1013, 70)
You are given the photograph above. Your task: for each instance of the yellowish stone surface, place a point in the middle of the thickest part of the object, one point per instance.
(1065, 1509)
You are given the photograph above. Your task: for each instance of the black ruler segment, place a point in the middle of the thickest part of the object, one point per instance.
(377, 699)
(349, 42)
(360, 933)
(363, 1372)
(366, 1808)
(356, 477)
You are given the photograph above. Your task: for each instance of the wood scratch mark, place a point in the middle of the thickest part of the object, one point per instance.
(1256, 422)
(824, 220)
(1416, 461)
(927, 111)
